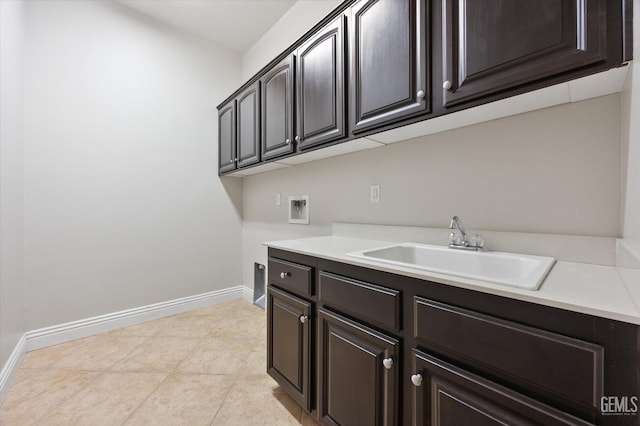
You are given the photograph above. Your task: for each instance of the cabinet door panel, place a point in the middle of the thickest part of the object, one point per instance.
(248, 127)
(320, 83)
(546, 363)
(356, 389)
(227, 137)
(490, 46)
(388, 66)
(450, 396)
(277, 110)
(288, 344)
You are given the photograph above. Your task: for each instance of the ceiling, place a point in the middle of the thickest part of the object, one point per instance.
(233, 24)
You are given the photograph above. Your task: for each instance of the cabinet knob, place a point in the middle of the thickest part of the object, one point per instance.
(447, 85)
(231, 161)
(388, 363)
(420, 94)
(297, 138)
(416, 379)
(235, 159)
(284, 275)
(303, 319)
(287, 141)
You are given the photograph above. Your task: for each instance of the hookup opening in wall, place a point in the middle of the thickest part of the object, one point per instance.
(299, 209)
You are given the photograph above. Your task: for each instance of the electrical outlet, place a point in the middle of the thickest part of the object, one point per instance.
(374, 193)
(277, 199)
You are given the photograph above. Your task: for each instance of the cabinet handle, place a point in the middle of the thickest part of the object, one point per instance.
(287, 141)
(420, 94)
(416, 379)
(388, 363)
(284, 275)
(303, 319)
(297, 138)
(447, 85)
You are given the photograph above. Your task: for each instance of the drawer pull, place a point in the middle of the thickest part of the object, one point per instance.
(303, 319)
(416, 379)
(284, 275)
(388, 363)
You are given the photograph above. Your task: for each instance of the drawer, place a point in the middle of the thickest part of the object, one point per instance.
(370, 302)
(548, 364)
(293, 276)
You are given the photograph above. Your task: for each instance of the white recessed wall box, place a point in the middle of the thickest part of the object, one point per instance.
(299, 209)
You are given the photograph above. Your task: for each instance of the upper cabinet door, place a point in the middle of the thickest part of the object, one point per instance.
(320, 74)
(490, 46)
(388, 61)
(227, 137)
(277, 109)
(248, 112)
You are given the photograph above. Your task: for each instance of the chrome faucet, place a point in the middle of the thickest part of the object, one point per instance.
(460, 241)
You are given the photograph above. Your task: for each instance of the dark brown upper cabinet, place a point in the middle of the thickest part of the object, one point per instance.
(375, 65)
(227, 137)
(248, 125)
(493, 46)
(277, 105)
(320, 76)
(388, 69)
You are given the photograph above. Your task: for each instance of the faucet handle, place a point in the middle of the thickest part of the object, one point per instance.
(455, 238)
(476, 240)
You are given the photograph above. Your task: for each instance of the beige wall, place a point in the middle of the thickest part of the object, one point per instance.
(123, 206)
(554, 171)
(11, 177)
(631, 145)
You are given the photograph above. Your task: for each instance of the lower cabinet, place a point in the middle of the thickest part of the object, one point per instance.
(445, 395)
(358, 373)
(356, 346)
(288, 343)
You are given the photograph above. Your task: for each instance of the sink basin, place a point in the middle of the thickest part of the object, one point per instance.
(510, 269)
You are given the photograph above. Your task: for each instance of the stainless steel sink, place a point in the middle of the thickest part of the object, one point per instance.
(510, 269)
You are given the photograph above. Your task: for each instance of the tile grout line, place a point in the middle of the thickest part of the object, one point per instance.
(173, 370)
(145, 399)
(169, 373)
(235, 381)
(95, 379)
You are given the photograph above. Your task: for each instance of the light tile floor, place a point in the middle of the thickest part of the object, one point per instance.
(204, 367)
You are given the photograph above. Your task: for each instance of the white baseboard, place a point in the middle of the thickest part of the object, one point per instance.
(10, 368)
(247, 294)
(62, 333)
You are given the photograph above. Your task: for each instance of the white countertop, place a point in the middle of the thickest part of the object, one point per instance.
(604, 291)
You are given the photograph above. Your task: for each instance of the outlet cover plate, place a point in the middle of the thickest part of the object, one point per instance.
(374, 193)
